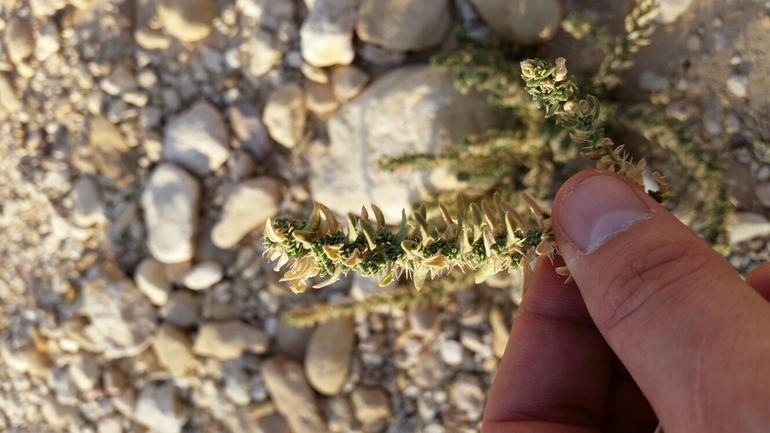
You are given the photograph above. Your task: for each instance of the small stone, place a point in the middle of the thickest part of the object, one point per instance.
(110, 424)
(248, 207)
(451, 352)
(732, 124)
(85, 371)
(136, 98)
(521, 21)
(147, 79)
(9, 102)
(263, 53)
(285, 115)
(744, 226)
(56, 415)
(125, 402)
(320, 99)
(150, 39)
(677, 112)
(249, 129)
(228, 339)
(115, 380)
(371, 405)
(89, 208)
(763, 173)
(467, 394)
(160, 409)
(314, 73)
(197, 139)
(173, 349)
(500, 332)
(326, 36)
(272, 424)
(403, 25)
(182, 309)
(187, 20)
(422, 318)
(292, 341)
(348, 82)
(111, 153)
(472, 341)
(170, 203)
(47, 41)
(270, 13)
(203, 275)
(292, 396)
(119, 81)
(670, 10)
(737, 84)
(327, 361)
(651, 81)
(19, 40)
(236, 385)
(381, 57)
(762, 191)
(150, 278)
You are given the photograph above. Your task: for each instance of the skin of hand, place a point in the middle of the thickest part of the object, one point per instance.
(656, 326)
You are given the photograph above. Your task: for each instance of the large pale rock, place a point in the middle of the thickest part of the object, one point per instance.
(160, 409)
(122, 319)
(521, 21)
(197, 139)
(187, 20)
(247, 208)
(670, 10)
(228, 339)
(326, 36)
(173, 349)
(292, 396)
(285, 115)
(403, 25)
(170, 203)
(410, 110)
(327, 362)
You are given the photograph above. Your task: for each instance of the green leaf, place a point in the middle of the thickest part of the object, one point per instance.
(370, 233)
(420, 274)
(379, 216)
(486, 270)
(403, 229)
(352, 230)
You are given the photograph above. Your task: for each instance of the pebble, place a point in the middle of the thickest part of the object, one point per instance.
(467, 394)
(521, 21)
(451, 352)
(151, 279)
(737, 84)
(9, 102)
(187, 20)
(47, 41)
(744, 226)
(422, 318)
(122, 320)
(125, 402)
(120, 80)
(472, 341)
(84, 371)
(371, 405)
(160, 409)
(203, 275)
(285, 115)
(670, 10)
(170, 202)
(249, 129)
(248, 207)
(292, 341)
(292, 396)
(263, 53)
(114, 380)
(173, 349)
(693, 43)
(182, 309)
(272, 424)
(111, 152)
(151, 39)
(732, 123)
(197, 139)
(651, 81)
(236, 384)
(110, 424)
(762, 191)
(314, 73)
(403, 25)
(228, 339)
(89, 208)
(381, 57)
(320, 99)
(19, 39)
(763, 173)
(327, 360)
(326, 36)
(348, 81)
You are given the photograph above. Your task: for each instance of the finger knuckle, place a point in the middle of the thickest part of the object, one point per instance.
(635, 291)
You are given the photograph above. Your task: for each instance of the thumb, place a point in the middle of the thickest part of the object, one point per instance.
(692, 333)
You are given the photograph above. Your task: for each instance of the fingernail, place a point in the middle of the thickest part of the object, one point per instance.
(596, 210)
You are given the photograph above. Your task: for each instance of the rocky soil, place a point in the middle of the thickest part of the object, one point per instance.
(146, 142)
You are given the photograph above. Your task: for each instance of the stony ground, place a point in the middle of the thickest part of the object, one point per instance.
(145, 142)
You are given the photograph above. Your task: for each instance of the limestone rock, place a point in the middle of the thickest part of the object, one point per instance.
(413, 110)
(122, 319)
(151, 279)
(371, 405)
(320, 99)
(348, 82)
(670, 10)
(292, 396)
(182, 309)
(150, 39)
(521, 21)
(160, 409)
(737, 85)
(187, 20)
(285, 115)
(111, 153)
(228, 339)
(170, 203)
(197, 139)
(247, 208)
(326, 36)
(403, 25)
(173, 349)
(203, 275)
(263, 53)
(327, 361)
(249, 129)
(744, 226)
(89, 208)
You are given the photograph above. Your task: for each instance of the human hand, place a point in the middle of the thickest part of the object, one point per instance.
(656, 326)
